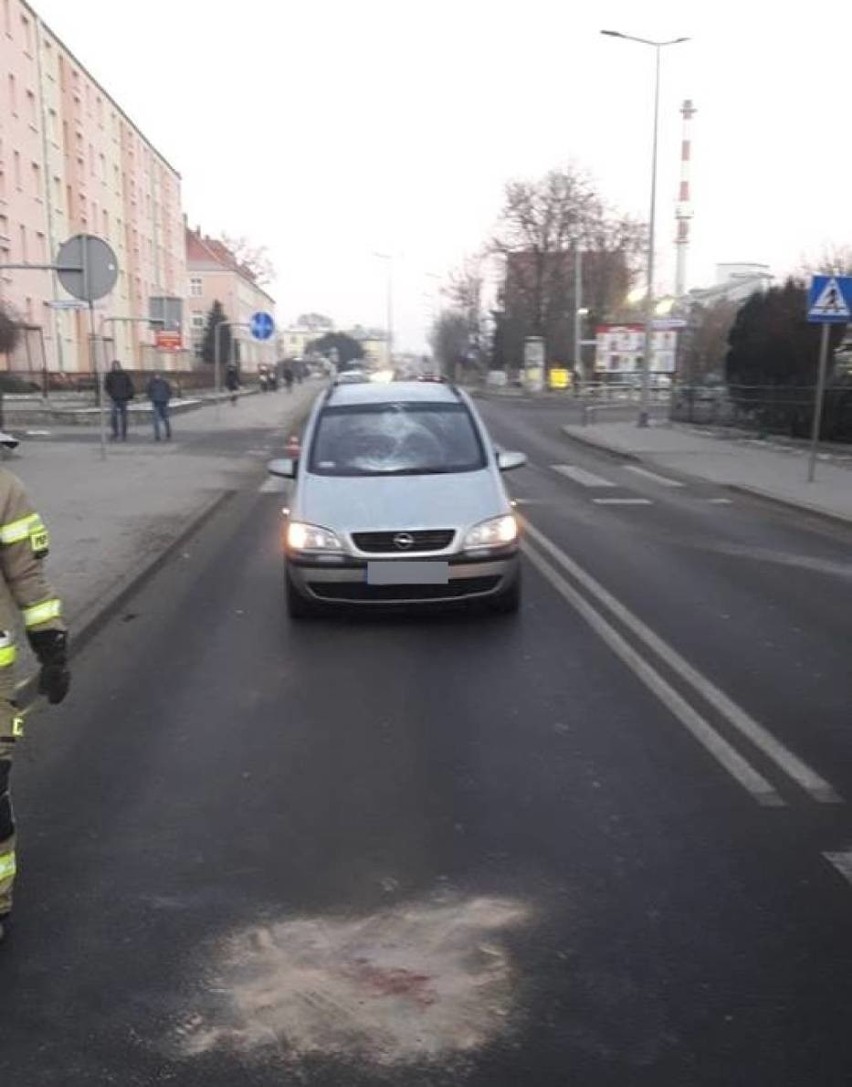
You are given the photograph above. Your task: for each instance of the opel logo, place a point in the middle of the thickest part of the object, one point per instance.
(403, 540)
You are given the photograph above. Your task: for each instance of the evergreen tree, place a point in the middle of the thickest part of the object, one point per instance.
(215, 317)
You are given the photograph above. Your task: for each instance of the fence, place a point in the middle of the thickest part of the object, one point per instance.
(766, 409)
(84, 383)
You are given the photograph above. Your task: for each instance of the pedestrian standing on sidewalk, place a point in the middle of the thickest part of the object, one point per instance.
(120, 390)
(24, 594)
(160, 393)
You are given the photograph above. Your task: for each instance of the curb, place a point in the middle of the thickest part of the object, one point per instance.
(94, 618)
(609, 450)
(737, 488)
(790, 504)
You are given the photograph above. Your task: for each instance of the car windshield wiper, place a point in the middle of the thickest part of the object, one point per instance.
(417, 471)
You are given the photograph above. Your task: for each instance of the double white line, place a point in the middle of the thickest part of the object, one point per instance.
(721, 749)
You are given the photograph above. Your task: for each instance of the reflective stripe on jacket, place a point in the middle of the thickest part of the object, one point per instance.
(24, 544)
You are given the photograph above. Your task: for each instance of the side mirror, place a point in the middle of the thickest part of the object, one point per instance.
(285, 467)
(507, 461)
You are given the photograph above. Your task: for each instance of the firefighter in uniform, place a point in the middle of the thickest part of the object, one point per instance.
(24, 595)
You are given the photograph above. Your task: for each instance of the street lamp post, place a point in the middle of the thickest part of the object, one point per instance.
(389, 303)
(645, 393)
(578, 314)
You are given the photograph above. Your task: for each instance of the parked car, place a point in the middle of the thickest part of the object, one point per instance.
(398, 501)
(351, 377)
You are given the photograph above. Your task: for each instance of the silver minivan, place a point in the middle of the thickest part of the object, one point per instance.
(398, 501)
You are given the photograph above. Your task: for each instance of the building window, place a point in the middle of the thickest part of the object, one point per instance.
(27, 28)
(13, 95)
(198, 321)
(24, 256)
(51, 124)
(16, 165)
(196, 287)
(105, 216)
(31, 108)
(36, 172)
(41, 247)
(7, 17)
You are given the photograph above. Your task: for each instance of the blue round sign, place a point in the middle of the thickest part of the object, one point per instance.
(262, 325)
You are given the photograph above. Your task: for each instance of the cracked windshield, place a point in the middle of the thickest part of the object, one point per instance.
(425, 544)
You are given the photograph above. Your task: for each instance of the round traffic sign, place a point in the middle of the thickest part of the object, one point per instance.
(87, 267)
(262, 325)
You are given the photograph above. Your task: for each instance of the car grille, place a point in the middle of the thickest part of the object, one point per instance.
(384, 543)
(358, 591)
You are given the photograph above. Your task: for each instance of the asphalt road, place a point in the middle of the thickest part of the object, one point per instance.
(587, 845)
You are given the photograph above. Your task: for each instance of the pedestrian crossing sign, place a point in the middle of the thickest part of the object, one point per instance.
(830, 299)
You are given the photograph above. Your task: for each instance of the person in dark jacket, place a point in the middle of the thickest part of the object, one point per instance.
(120, 390)
(160, 393)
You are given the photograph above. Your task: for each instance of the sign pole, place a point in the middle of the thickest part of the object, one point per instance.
(818, 401)
(99, 381)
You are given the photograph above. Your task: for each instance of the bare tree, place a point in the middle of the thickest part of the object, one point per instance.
(450, 341)
(542, 225)
(835, 259)
(254, 259)
(465, 293)
(706, 339)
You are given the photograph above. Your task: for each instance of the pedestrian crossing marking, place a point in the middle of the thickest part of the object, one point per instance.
(581, 476)
(842, 861)
(646, 473)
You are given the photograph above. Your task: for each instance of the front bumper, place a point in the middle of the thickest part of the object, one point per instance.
(346, 583)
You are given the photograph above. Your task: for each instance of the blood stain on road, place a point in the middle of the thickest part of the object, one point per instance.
(428, 981)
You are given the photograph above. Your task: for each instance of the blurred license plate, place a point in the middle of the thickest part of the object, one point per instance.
(408, 573)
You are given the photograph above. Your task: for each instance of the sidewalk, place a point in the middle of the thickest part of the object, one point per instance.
(111, 519)
(776, 472)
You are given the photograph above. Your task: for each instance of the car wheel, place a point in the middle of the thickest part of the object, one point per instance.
(298, 606)
(509, 601)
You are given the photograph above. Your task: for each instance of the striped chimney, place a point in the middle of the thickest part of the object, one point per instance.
(683, 208)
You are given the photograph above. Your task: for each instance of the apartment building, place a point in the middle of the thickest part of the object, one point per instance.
(72, 161)
(216, 275)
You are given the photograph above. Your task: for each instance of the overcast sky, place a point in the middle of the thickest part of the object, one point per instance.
(329, 130)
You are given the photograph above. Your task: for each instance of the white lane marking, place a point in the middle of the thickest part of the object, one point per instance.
(272, 486)
(646, 473)
(581, 476)
(720, 501)
(808, 779)
(717, 746)
(842, 861)
(623, 501)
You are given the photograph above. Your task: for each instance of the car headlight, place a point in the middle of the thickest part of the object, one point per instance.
(495, 532)
(302, 537)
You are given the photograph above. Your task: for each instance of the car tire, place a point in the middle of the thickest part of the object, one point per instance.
(509, 601)
(298, 606)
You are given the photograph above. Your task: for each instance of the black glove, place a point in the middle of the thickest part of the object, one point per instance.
(51, 648)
